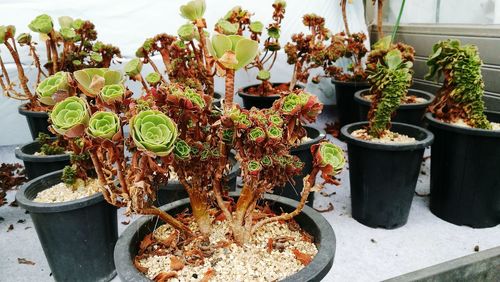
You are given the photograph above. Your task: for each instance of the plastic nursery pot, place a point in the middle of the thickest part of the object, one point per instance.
(406, 113)
(344, 91)
(37, 121)
(257, 101)
(174, 190)
(464, 174)
(40, 165)
(77, 237)
(383, 176)
(217, 99)
(309, 219)
(303, 151)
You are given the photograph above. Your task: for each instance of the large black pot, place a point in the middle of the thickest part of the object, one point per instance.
(406, 113)
(77, 237)
(303, 151)
(175, 191)
(465, 175)
(40, 165)
(344, 91)
(37, 121)
(309, 219)
(260, 102)
(217, 99)
(383, 176)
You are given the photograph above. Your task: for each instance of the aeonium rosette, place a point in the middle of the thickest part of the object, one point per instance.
(182, 150)
(52, 85)
(112, 93)
(187, 98)
(104, 125)
(238, 118)
(92, 80)
(311, 106)
(257, 135)
(70, 117)
(254, 167)
(329, 158)
(274, 133)
(154, 132)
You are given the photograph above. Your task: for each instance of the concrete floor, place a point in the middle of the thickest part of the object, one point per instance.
(362, 253)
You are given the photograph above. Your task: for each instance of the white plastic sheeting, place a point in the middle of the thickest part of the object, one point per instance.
(127, 23)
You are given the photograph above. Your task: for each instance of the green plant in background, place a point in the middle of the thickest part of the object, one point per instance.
(153, 131)
(103, 125)
(69, 175)
(112, 93)
(91, 81)
(70, 117)
(389, 84)
(52, 85)
(48, 146)
(461, 96)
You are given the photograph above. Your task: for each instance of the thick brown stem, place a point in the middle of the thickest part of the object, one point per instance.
(55, 56)
(49, 58)
(380, 6)
(4, 71)
(155, 68)
(343, 4)
(121, 170)
(293, 82)
(165, 217)
(22, 77)
(228, 99)
(200, 207)
(98, 167)
(36, 60)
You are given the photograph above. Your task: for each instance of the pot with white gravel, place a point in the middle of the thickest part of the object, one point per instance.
(77, 236)
(310, 220)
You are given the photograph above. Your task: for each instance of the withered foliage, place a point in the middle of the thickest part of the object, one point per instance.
(11, 176)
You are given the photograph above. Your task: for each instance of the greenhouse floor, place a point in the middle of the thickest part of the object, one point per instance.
(362, 253)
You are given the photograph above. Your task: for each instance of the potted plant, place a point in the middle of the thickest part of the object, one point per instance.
(44, 155)
(263, 94)
(385, 158)
(414, 103)
(80, 49)
(465, 154)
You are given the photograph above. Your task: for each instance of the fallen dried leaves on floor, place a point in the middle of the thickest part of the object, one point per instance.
(11, 176)
(329, 208)
(24, 261)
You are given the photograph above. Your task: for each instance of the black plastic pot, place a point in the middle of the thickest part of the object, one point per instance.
(303, 151)
(406, 113)
(37, 121)
(217, 99)
(77, 237)
(465, 176)
(309, 219)
(344, 91)
(383, 176)
(175, 191)
(260, 102)
(40, 165)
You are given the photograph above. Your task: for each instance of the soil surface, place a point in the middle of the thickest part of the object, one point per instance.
(409, 99)
(62, 192)
(262, 91)
(388, 137)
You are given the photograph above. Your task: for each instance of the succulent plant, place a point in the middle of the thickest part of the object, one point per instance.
(182, 150)
(153, 78)
(103, 125)
(70, 117)
(42, 24)
(50, 86)
(193, 10)
(7, 32)
(133, 67)
(329, 157)
(257, 134)
(187, 32)
(154, 132)
(112, 93)
(233, 51)
(92, 80)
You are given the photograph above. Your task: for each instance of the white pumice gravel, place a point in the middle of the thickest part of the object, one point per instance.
(250, 262)
(305, 139)
(388, 137)
(460, 122)
(404, 101)
(62, 192)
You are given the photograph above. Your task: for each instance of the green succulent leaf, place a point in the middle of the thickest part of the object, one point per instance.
(70, 115)
(112, 93)
(220, 44)
(266, 161)
(393, 59)
(276, 120)
(187, 32)
(77, 24)
(257, 134)
(23, 38)
(92, 80)
(7, 32)
(256, 27)
(153, 131)
(254, 167)
(330, 155)
(67, 33)
(193, 10)
(65, 22)
(274, 132)
(226, 27)
(264, 75)
(182, 150)
(291, 102)
(383, 44)
(42, 24)
(246, 50)
(103, 125)
(50, 86)
(96, 57)
(133, 67)
(228, 135)
(273, 32)
(153, 78)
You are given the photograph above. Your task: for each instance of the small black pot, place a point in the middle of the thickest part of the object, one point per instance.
(175, 191)
(77, 237)
(303, 151)
(406, 113)
(217, 99)
(40, 165)
(37, 121)
(383, 176)
(260, 102)
(465, 176)
(309, 219)
(347, 108)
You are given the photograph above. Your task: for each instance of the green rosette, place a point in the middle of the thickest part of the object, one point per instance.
(103, 125)
(70, 117)
(154, 132)
(51, 85)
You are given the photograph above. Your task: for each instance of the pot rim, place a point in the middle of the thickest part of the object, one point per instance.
(419, 144)
(22, 110)
(20, 154)
(461, 129)
(351, 82)
(318, 268)
(241, 92)
(358, 97)
(309, 143)
(35, 207)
